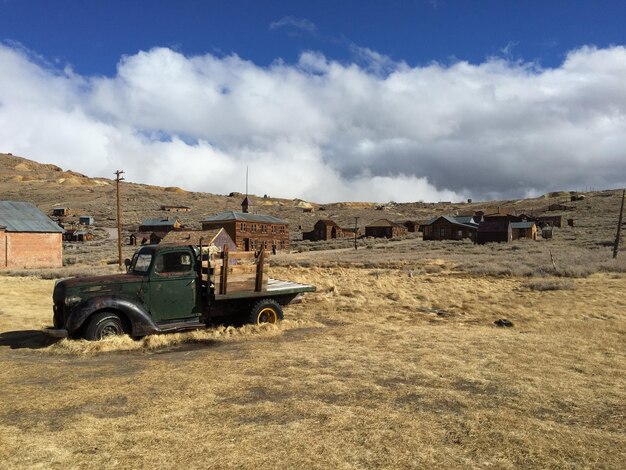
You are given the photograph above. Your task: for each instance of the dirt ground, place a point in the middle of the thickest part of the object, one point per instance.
(377, 369)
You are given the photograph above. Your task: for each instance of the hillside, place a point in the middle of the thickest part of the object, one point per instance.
(48, 186)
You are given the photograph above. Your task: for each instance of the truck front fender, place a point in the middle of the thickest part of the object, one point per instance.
(140, 321)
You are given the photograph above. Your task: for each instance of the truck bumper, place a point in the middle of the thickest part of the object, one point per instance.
(56, 332)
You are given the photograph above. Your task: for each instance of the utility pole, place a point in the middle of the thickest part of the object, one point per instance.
(356, 228)
(619, 226)
(118, 178)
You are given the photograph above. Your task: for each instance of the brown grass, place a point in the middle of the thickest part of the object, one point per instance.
(209, 337)
(409, 372)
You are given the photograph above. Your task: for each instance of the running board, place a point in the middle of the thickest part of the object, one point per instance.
(181, 325)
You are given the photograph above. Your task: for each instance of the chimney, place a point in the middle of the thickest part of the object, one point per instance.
(245, 205)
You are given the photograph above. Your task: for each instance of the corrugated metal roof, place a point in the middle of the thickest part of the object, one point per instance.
(465, 219)
(327, 222)
(384, 223)
(522, 224)
(453, 220)
(159, 222)
(20, 216)
(229, 216)
(191, 237)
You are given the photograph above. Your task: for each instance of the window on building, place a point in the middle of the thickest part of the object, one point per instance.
(442, 232)
(281, 229)
(263, 228)
(273, 228)
(242, 226)
(253, 229)
(264, 243)
(282, 244)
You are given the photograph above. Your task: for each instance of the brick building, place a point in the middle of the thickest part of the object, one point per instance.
(28, 238)
(251, 231)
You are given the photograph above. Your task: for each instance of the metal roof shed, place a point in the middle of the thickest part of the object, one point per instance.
(20, 216)
(29, 238)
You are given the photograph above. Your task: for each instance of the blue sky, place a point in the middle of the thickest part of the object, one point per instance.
(402, 100)
(93, 35)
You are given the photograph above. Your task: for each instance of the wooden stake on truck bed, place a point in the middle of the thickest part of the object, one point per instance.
(224, 280)
(259, 271)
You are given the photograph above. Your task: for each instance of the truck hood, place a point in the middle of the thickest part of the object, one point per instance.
(99, 280)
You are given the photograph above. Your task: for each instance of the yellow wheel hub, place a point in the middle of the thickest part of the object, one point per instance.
(267, 315)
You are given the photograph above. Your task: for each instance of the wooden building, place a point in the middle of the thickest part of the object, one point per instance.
(448, 227)
(78, 236)
(217, 238)
(412, 226)
(546, 232)
(325, 229)
(558, 207)
(553, 220)
(251, 231)
(28, 237)
(86, 220)
(494, 231)
(147, 238)
(385, 228)
(60, 211)
(175, 208)
(524, 230)
(502, 217)
(160, 225)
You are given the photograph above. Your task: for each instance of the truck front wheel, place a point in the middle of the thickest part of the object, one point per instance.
(103, 325)
(266, 311)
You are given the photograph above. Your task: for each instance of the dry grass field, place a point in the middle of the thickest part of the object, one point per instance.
(395, 362)
(378, 369)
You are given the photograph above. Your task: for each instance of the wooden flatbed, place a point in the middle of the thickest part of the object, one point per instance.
(240, 275)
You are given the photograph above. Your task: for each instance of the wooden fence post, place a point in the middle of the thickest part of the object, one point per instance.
(619, 226)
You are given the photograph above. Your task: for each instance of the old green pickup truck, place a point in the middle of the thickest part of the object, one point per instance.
(171, 288)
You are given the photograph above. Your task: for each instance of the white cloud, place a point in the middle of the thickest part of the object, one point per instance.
(293, 23)
(323, 130)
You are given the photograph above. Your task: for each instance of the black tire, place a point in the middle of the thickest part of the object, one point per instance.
(102, 325)
(265, 311)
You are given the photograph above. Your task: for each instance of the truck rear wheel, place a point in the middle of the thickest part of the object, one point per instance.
(103, 325)
(265, 311)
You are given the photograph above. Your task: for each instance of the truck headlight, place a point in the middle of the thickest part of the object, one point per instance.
(72, 300)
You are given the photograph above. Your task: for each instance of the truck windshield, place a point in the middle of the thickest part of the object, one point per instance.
(141, 262)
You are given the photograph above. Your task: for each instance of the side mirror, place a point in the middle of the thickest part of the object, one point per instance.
(127, 264)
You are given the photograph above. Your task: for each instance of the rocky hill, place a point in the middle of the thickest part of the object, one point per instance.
(49, 186)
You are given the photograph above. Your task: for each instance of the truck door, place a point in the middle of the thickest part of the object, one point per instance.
(173, 286)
